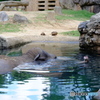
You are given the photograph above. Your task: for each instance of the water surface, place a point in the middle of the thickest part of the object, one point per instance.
(66, 76)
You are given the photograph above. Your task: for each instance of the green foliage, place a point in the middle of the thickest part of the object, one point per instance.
(81, 15)
(9, 27)
(71, 33)
(11, 54)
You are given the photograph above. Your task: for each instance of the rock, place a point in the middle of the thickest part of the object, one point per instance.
(76, 1)
(43, 34)
(82, 27)
(95, 17)
(90, 34)
(89, 5)
(67, 4)
(3, 16)
(12, 41)
(58, 10)
(89, 2)
(2, 7)
(20, 19)
(54, 33)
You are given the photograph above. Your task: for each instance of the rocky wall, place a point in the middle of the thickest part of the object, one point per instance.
(90, 34)
(89, 5)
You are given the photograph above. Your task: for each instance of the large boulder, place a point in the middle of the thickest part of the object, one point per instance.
(89, 5)
(90, 34)
(66, 4)
(3, 16)
(14, 40)
(20, 19)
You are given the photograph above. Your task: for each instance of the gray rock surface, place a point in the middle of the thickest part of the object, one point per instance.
(89, 5)
(67, 4)
(20, 19)
(58, 10)
(3, 16)
(90, 34)
(14, 41)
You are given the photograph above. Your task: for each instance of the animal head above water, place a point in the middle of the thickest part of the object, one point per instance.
(40, 55)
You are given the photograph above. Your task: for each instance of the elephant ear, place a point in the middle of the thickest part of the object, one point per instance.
(39, 58)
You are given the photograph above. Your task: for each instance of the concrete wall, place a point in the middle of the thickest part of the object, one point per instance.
(41, 5)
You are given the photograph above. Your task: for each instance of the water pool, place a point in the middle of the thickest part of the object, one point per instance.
(78, 78)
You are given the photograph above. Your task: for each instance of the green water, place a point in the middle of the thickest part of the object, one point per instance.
(72, 77)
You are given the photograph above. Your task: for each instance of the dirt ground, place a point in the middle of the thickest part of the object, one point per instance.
(36, 26)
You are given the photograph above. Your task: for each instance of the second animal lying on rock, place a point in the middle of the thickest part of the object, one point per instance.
(35, 54)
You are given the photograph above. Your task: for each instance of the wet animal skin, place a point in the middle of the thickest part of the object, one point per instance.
(35, 54)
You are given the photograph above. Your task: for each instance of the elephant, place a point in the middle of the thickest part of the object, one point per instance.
(33, 55)
(53, 67)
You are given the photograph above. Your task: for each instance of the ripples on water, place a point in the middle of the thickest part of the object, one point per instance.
(65, 76)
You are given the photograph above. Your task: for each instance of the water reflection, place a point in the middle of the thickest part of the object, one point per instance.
(30, 89)
(29, 86)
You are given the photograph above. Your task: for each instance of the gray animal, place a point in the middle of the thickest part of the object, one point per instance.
(35, 54)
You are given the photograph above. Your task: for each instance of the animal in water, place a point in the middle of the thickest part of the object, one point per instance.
(35, 54)
(86, 60)
(55, 65)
